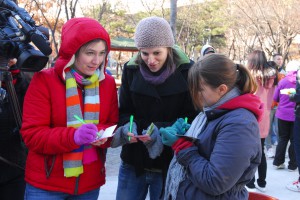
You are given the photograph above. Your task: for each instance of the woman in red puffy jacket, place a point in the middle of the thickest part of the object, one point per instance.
(64, 160)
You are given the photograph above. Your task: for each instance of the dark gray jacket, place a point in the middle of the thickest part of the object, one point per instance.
(226, 155)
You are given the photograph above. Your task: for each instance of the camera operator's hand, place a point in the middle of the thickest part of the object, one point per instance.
(2, 95)
(12, 62)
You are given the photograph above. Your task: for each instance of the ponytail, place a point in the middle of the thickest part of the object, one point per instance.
(245, 81)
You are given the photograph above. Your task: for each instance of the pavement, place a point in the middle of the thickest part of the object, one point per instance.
(276, 179)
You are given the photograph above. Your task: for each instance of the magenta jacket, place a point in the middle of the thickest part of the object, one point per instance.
(286, 108)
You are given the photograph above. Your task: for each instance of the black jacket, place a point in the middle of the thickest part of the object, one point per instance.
(11, 145)
(162, 104)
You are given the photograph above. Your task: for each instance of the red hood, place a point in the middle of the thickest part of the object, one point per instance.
(247, 101)
(75, 33)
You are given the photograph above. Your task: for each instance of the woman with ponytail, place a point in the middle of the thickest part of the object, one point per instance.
(220, 152)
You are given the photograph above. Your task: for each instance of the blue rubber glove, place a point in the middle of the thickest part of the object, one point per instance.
(181, 126)
(168, 135)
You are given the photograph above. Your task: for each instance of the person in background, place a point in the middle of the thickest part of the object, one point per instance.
(286, 117)
(206, 49)
(65, 109)
(278, 59)
(265, 76)
(271, 140)
(295, 97)
(12, 149)
(221, 150)
(154, 90)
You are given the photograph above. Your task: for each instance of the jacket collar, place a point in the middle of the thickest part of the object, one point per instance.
(247, 101)
(173, 85)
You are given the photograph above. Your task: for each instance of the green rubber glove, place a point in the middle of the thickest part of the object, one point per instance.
(168, 135)
(181, 126)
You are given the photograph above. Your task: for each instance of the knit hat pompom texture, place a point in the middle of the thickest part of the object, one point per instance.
(153, 32)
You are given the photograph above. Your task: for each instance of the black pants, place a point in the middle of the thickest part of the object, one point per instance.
(297, 141)
(285, 134)
(262, 169)
(12, 188)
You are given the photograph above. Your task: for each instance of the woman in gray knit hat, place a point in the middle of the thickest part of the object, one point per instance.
(154, 90)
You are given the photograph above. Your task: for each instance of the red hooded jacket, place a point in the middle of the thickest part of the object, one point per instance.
(44, 117)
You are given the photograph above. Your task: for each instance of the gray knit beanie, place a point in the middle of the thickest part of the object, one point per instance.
(153, 32)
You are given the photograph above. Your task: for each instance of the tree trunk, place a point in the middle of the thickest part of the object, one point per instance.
(173, 17)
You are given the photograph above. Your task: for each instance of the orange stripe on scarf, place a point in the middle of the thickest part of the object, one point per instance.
(73, 100)
(91, 107)
(72, 156)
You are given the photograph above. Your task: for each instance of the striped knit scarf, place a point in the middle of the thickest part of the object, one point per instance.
(73, 161)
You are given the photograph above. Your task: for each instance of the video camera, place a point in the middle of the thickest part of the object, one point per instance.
(17, 30)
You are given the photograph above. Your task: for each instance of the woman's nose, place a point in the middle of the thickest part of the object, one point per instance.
(150, 59)
(97, 60)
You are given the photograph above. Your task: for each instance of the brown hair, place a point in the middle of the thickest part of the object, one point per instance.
(172, 59)
(216, 69)
(259, 67)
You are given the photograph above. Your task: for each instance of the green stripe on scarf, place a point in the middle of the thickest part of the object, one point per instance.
(74, 171)
(73, 161)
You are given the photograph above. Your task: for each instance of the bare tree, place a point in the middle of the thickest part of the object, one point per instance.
(103, 10)
(173, 16)
(152, 6)
(70, 8)
(270, 25)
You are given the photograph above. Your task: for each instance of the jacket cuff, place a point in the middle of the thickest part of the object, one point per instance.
(181, 144)
(185, 156)
(179, 141)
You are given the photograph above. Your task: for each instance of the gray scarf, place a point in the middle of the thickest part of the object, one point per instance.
(176, 172)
